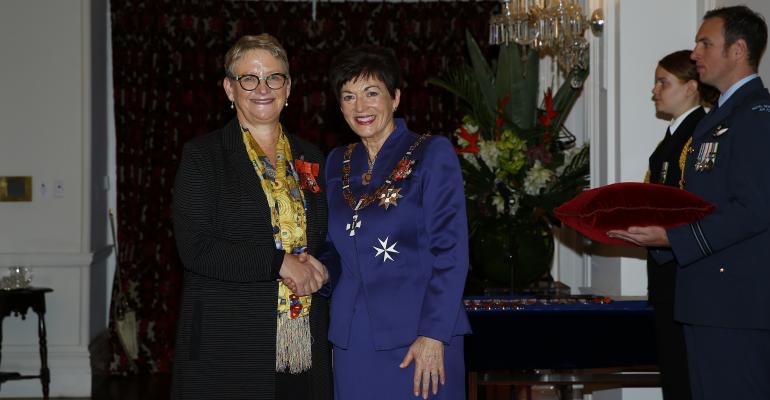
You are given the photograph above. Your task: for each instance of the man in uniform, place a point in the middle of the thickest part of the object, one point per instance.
(723, 285)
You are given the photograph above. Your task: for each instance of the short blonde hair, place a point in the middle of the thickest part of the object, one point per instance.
(247, 43)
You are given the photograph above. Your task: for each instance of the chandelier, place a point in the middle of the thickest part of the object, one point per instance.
(550, 27)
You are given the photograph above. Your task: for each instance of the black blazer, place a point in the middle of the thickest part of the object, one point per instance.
(664, 169)
(226, 330)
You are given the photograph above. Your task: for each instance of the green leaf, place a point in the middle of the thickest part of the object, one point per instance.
(522, 105)
(483, 72)
(462, 82)
(508, 70)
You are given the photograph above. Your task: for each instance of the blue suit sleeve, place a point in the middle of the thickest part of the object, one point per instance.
(447, 236)
(744, 212)
(329, 257)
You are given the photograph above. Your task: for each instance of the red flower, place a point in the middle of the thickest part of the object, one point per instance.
(549, 113)
(472, 140)
(307, 173)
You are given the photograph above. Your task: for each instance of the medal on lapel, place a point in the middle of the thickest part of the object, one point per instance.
(308, 172)
(721, 130)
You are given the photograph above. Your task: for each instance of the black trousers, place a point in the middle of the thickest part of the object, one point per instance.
(672, 353)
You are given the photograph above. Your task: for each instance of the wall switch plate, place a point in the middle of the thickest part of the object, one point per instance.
(44, 189)
(58, 188)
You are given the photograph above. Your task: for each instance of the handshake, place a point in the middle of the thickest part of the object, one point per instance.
(303, 273)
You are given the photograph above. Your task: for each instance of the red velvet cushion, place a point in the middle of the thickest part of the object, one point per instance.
(621, 205)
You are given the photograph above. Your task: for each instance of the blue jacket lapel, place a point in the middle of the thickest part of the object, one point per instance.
(715, 117)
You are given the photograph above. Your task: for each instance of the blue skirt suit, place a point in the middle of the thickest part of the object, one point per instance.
(403, 264)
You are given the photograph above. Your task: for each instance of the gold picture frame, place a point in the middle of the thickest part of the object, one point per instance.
(15, 188)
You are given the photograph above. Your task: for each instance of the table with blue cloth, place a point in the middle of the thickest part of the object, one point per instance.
(523, 336)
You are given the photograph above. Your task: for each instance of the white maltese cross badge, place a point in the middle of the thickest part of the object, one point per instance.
(385, 249)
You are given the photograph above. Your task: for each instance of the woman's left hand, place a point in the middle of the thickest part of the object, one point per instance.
(428, 357)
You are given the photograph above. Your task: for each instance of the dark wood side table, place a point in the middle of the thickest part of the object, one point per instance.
(17, 302)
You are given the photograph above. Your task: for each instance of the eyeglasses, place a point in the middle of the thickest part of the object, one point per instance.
(250, 82)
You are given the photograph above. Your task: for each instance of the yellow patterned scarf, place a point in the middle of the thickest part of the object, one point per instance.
(280, 183)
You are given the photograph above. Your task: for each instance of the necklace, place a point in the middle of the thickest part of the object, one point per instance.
(401, 171)
(367, 176)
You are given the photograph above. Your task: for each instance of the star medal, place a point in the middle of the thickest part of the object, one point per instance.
(390, 197)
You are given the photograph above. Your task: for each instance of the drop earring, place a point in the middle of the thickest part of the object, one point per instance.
(287, 103)
(232, 105)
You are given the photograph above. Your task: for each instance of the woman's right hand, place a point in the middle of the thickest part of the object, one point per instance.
(302, 277)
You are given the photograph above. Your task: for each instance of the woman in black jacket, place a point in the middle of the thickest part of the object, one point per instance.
(249, 212)
(679, 97)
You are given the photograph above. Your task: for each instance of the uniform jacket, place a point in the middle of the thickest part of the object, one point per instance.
(409, 262)
(664, 169)
(226, 330)
(724, 268)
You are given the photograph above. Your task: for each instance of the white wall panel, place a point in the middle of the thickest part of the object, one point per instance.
(41, 122)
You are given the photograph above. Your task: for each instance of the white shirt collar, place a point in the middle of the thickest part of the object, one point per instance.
(678, 120)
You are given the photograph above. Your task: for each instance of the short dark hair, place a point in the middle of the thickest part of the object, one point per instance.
(683, 68)
(741, 22)
(366, 61)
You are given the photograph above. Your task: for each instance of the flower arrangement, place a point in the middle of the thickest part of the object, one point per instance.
(518, 160)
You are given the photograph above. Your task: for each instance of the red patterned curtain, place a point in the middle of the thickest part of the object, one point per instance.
(167, 65)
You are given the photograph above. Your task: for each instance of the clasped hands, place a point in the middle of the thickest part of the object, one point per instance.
(303, 273)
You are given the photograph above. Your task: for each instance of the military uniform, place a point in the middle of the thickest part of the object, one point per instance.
(722, 293)
(665, 167)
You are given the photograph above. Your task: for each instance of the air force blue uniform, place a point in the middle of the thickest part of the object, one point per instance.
(723, 284)
(402, 271)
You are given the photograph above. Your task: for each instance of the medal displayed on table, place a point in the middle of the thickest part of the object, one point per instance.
(386, 193)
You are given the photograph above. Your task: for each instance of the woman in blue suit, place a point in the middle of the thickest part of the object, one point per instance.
(397, 220)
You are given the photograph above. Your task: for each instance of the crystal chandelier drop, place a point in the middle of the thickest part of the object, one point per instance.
(550, 27)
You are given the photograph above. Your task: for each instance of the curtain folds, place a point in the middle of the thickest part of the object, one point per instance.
(167, 66)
